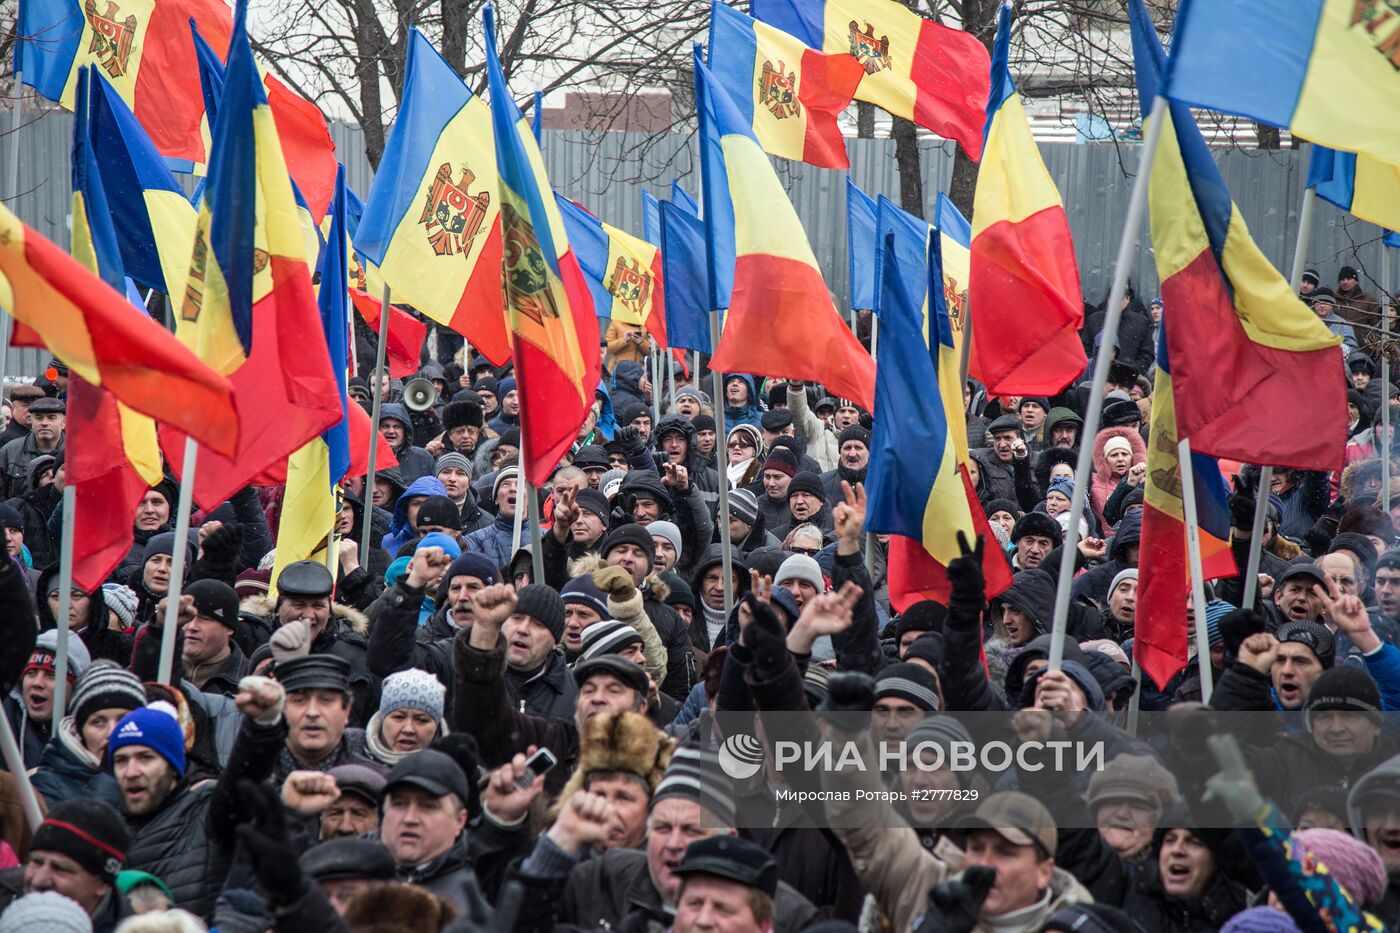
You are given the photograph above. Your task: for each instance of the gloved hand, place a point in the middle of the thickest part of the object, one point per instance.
(268, 844)
(850, 697)
(222, 544)
(479, 916)
(1241, 513)
(292, 640)
(1233, 785)
(764, 635)
(969, 585)
(616, 582)
(630, 438)
(954, 906)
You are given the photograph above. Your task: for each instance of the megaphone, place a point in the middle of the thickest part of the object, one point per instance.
(419, 395)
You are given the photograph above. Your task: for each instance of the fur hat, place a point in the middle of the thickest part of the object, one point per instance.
(461, 414)
(398, 908)
(623, 741)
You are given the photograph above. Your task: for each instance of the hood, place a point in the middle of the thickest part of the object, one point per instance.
(422, 486)
(1129, 531)
(1382, 780)
(97, 605)
(431, 371)
(714, 555)
(753, 391)
(1032, 592)
(1130, 435)
(1036, 648)
(607, 418)
(675, 423)
(1093, 693)
(648, 484)
(628, 374)
(1062, 416)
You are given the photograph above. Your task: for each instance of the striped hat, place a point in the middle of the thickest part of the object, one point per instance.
(696, 774)
(908, 682)
(607, 637)
(105, 685)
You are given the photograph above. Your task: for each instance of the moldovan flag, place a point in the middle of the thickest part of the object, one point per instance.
(623, 272)
(919, 488)
(113, 456)
(1361, 185)
(432, 223)
(310, 507)
(1243, 57)
(554, 331)
(914, 67)
(248, 307)
(1164, 578)
(1023, 272)
(955, 245)
(790, 94)
(141, 46)
(154, 220)
(1231, 312)
(781, 320)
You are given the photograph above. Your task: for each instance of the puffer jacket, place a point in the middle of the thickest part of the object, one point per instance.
(347, 637)
(495, 539)
(173, 845)
(750, 414)
(67, 770)
(1103, 482)
(625, 385)
(400, 531)
(822, 440)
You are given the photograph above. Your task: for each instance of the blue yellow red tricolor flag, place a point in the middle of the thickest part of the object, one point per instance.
(790, 94)
(141, 46)
(432, 221)
(1242, 57)
(781, 320)
(860, 246)
(918, 484)
(1164, 580)
(623, 272)
(310, 506)
(554, 331)
(1362, 185)
(914, 67)
(1231, 311)
(955, 248)
(112, 453)
(248, 308)
(1022, 265)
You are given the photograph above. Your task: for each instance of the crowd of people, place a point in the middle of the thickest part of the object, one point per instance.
(434, 738)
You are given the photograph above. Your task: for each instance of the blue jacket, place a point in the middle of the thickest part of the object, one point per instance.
(62, 776)
(400, 533)
(750, 414)
(413, 461)
(494, 540)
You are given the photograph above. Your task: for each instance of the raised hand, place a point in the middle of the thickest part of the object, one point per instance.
(309, 792)
(348, 554)
(955, 906)
(965, 577)
(427, 565)
(830, 613)
(566, 512)
(676, 477)
(848, 518)
(491, 606)
(260, 699)
(1259, 651)
(583, 822)
(505, 798)
(849, 700)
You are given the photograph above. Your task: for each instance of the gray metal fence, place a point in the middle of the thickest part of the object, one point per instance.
(606, 172)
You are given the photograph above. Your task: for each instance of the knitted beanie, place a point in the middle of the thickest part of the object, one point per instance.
(607, 637)
(630, 533)
(1355, 865)
(413, 689)
(1344, 688)
(45, 912)
(1129, 573)
(696, 774)
(908, 682)
(854, 433)
(121, 600)
(156, 730)
(809, 483)
(105, 685)
(542, 603)
(801, 567)
(1260, 920)
(743, 506)
(451, 460)
(583, 591)
(669, 531)
(45, 654)
(90, 832)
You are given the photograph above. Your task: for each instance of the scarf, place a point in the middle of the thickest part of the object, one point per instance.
(715, 620)
(71, 740)
(1016, 921)
(736, 471)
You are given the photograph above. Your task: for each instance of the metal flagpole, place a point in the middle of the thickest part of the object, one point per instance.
(869, 537)
(376, 404)
(1135, 701)
(965, 350)
(1266, 473)
(726, 545)
(657, 384)
(536, 551)
(1113, 312)
(695, 374)
(1385, 379)
(14, 763)
(177, 562)
(12, 191)
(65, 601)
(1198, 582)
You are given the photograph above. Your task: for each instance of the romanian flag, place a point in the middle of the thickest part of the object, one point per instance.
(310, 506)
(861, 211)
(1325, 69)
(920, 491)
(781, 319)
(554, 331)
(307, 146)
(248, 308)
(1360, 185)
(141, 46)
(914, 67)
(153, 218)
(432, 223)
(683, 262)
(1023, 271)
(790, 94)
(113, 455)
(1284, 401)
(1160, 643)
(623, 272)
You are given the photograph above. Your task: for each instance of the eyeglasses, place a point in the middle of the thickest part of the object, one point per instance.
(808, 551)
(738, 443)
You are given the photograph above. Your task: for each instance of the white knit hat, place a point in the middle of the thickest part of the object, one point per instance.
(121, 600)
(45, 912)
(413, 689)
(801, 567)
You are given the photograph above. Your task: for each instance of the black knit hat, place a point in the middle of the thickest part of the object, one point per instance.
(854, 433)
(782, 460)
(908, 682)
(90, 832)
(994, 506)
(542, 603)
(807, 482)
(1037, 523)
(703, 422)
(1344, 688)
(1360, 545)
(440, 511)
(215, 599)
(10, 517)
(461, 414)
(630, 533)
(923, 616)
(1317, 638)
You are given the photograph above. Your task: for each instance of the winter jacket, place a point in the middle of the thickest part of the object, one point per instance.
(1093, 584)
(495, 539)
(1136, 345)
(68, 770)
(620, 348)
(223, 680)
(400, 531)
(703, 478)
(345, 636)
(397, 642)
(174, 844)
(413, 461)
(625, 385)
(35, 508)
(632, 612)
(750, 414)
(1303, 503)
(821, 439)
(15, 458)
(1104, 481)
(111, 910)
(550, 693)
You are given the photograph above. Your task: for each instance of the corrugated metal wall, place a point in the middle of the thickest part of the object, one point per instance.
(605, 172)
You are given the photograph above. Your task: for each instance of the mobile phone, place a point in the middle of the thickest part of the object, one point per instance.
(541, 762)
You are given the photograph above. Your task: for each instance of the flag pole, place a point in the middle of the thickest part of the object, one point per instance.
(65, 603)
(965, 350)
(870, 537)
(658, 383)
(177, 562)
(1385, 380)
(14, 763)
(11, 192)
(532, 508)
(1198, 580)
(1135, 701)
(376, 404)
(726, 545)
(1266, 473)
(1112, 314)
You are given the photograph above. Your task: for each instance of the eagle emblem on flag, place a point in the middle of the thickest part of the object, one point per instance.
(872, 53)
(111, 37)
(453, 216)
(778, 91)
(526, 279)
(631, 284)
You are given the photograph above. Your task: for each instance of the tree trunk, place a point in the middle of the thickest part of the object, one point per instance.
(964, 183)
(865, 120)
(454, 34)
(906, 154)
(1268, 136)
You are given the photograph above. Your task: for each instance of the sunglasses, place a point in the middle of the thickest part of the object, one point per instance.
(808, 551)
(741, 444)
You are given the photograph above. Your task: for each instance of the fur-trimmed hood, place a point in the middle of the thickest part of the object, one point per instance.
(656, 587)
(265, 607)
